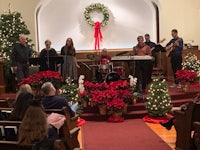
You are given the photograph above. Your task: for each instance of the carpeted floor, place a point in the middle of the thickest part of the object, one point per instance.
(128, 135)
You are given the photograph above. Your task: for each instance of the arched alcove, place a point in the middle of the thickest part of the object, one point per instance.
(57, 20)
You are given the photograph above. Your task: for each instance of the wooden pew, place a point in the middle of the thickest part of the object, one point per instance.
(184, 125)
(197, 136)
(69, 130)
(4, 103)
(12, 145)
(5, 113)
(6, 144)
(10, 142)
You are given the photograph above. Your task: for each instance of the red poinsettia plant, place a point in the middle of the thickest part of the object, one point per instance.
(36, 80)
(103, 93)
(84, 95)
(116, 105)
(185, 76)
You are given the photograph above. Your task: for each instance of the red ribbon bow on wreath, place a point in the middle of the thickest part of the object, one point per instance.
(97, 35)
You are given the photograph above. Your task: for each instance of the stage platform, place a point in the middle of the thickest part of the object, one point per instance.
(138, 110)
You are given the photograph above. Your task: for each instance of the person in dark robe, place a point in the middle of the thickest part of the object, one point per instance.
(46, 54)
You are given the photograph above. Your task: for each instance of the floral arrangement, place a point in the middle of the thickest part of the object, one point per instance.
(185, 76)
(95, 6)
(191, 63)
(117, 104)
(36, 80)
(114, 95)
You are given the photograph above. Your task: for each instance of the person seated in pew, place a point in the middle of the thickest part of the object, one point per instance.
(53, 101)
(22, 103)
(24, 88)
(34, 130)
(24, 97)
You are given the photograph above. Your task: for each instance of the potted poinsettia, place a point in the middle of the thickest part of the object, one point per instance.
(36, 80)
(116, 106)
(185, 77)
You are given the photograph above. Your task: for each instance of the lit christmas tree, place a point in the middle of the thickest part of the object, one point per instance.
(158, 99)
(70, 91)
(11, 26)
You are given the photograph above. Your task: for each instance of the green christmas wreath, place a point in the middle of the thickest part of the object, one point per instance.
(93, 7)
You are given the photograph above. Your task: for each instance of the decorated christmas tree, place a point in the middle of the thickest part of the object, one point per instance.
(70, 91)
(158, 99)
(11, 26)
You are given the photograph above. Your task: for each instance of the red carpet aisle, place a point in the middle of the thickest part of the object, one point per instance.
(128, 135)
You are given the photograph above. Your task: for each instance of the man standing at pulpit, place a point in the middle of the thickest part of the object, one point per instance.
(20, 58)
(141, 66)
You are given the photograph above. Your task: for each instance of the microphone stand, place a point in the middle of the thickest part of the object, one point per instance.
(48, 59)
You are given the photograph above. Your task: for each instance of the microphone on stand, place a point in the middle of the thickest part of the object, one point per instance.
(48, 59)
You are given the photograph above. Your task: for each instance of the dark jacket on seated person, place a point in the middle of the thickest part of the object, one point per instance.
(56, 102)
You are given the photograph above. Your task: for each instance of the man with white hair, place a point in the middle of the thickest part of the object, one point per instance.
(53, 101)
(20, 58)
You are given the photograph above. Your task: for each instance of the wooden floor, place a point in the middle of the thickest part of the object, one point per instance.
(168, 136)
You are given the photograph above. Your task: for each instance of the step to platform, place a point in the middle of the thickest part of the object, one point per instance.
(137, 110)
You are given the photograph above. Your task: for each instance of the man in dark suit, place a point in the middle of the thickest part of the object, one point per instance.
(20, 58)
(53, 101)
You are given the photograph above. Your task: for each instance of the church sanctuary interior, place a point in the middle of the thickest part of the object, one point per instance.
(99, 74)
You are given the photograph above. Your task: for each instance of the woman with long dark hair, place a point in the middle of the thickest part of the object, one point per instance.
(70, 65)
(34, 130)
(23, 101)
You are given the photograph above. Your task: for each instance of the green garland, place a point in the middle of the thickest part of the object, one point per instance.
(93, 7)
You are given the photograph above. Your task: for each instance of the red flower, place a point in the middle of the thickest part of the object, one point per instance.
(44, 76)
(101, 93)
(116, 104)
(185, 76)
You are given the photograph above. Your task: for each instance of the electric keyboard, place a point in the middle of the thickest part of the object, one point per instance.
(131, 58)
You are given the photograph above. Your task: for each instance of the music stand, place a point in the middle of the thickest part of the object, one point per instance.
(34, 61)
(42, 61)
(158, 49)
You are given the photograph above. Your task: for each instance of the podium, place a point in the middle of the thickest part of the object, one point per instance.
(46, 63)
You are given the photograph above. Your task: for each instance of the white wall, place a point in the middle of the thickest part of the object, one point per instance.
(181, 14)
(128, 19)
